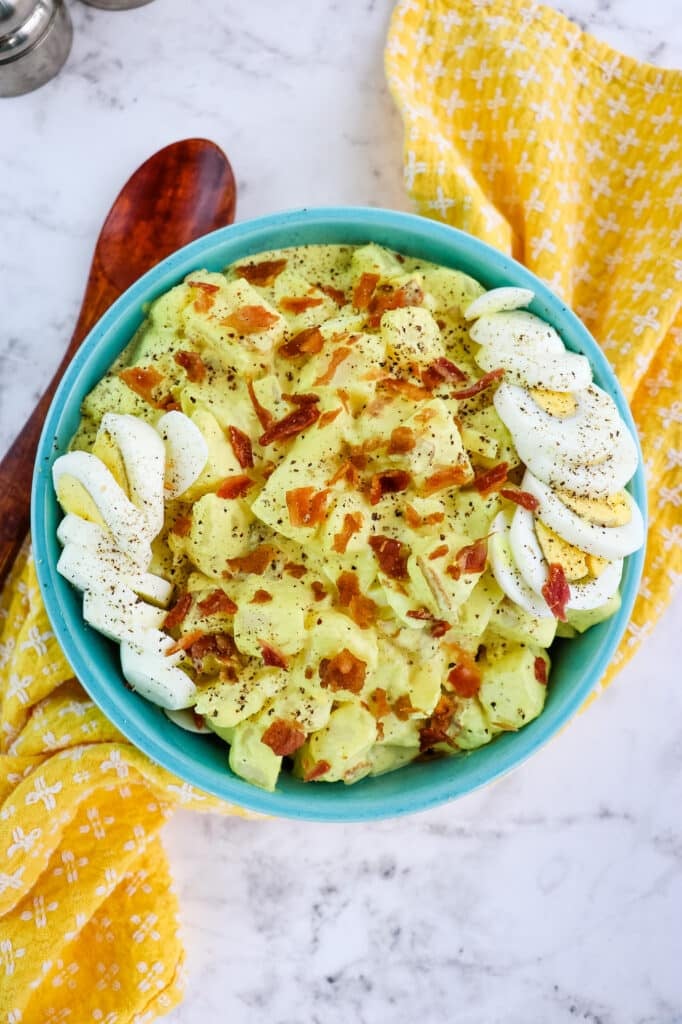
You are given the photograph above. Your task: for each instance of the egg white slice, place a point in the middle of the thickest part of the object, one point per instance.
(498, 300)
(563, 371)
(527, 554)
(158, 681)
(524, 330)
(507, 573)
(605, 541)
(186, 720)
(144, 456)
(186, 452)
(90, 569)
(127, 523)
(118, 614)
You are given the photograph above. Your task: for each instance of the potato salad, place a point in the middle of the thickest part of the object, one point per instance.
(335, 503)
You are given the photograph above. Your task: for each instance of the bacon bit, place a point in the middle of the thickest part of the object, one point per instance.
(234, 486)
(344, 396)
(295, 570)
(142, 380)
(184, 642)
(391, 555)
(261, 274)
(306, 506)
(328, 417)
(440, 371)
(522, 498)
(178, 612)
(305, 399)
(206, 298)
(403, 708)
(283, 738)
(306, 343)
(267, 469)
(298, 304)
(435, 728)
(343, 672)
(291, 425)
(396, 386)
(465, 678)
(318, 769)
(168, 404)
(273, 657)
(336, 294)
(451, 476)
(182, 526)
(540, 670)
(217, 601)
(255, 561)
(556, 591)
(241, 446)
(348, 472)
(391, 481)
(470, 559)
(193, 365)
(479, 385)
(250, 319)
(264, 415)
(220, 645)
(439, 628)
(412, 517)
(362, 610)
(402, 441)
(377, 702)
(338, 356)
(420, 613)
(319, 590)
(364, 289)
(438, 552)
(491, 479)
(409, 294)
(261, 597)
(352, 523)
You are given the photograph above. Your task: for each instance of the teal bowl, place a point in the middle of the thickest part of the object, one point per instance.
(200, 760)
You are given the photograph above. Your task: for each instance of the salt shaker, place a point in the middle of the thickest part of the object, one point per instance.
(35, 40)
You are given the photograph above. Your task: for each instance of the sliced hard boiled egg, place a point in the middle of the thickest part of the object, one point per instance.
(507, 573)
(118, 614)
(522, 329)
(153, 678)
(187, 720)
(127, 523)
(605, 541)
(103, 566)
(498, 300)
(186, 452)
(563, 371)
(144, 457)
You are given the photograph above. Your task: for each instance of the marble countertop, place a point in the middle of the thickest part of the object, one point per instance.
(554, 895)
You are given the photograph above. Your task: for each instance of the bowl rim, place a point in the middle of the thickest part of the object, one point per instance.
(513, 748)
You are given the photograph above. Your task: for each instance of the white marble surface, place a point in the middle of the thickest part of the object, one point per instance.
(554, 896)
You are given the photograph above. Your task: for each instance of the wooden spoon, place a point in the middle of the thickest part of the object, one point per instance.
(182, 192)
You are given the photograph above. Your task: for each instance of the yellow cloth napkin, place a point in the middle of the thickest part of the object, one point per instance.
(544, 142)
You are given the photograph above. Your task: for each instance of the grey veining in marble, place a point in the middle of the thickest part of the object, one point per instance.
(554, 896)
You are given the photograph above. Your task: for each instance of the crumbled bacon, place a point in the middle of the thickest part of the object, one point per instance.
(182, 526)
(377, 702)
(540, 670)
(470, 559)
(319, 769)
(397, 386)
(479, 385)
(305, 399)
(217, 602)
(338, 356)
(319, 590)
(234, 486)
(391, 481)
(291, 425)
(178, 612)
(435, 729)
(450, 476)
(193, 365)
(255, 561)
(348, 472)
(250, 319)
(328, 417)
(241, 446)
(364, 289)
(186, 641)
(522, 498)
(438, 552)
(403, 708)
(362, 610)
(261, 274)
(272, 657)
(556, 591)
(402, 441)
(441, 371)
(352, 523)
(264, 415)
(490, 479)
(206, 297)
(409, 294)
(295, 569)
(336, 294)
(299, 303)
(283, 738)
(306, 505)
(306, 343)
(261, 597)
(465, 677)
(343, 672)
(220, 646)
(439, 628)
(422, 614)
(414, 519)
(142, 380)
(392, 556)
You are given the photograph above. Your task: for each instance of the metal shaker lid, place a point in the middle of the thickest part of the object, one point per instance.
(22, 24)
